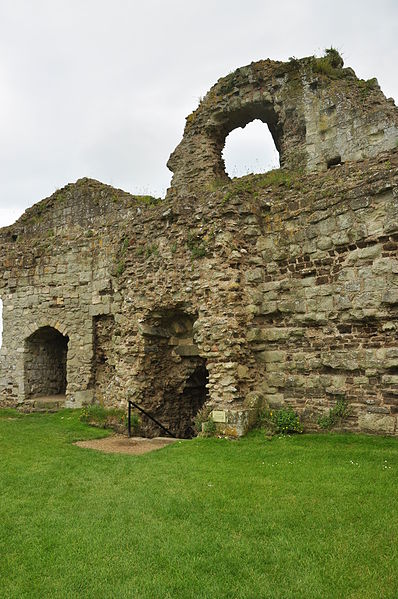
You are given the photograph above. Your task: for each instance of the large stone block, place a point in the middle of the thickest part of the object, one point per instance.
(377, 423)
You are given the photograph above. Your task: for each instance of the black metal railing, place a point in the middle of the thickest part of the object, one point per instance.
(132, 403)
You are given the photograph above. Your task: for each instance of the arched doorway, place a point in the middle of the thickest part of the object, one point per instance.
(45, 363)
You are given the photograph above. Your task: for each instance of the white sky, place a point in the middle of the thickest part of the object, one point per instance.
(101, 89)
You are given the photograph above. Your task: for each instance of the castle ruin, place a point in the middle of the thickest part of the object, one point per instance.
(270, 290)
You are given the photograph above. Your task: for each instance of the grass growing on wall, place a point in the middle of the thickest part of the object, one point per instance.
(306, 516)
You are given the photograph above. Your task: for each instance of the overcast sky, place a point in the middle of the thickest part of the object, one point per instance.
(101, 88)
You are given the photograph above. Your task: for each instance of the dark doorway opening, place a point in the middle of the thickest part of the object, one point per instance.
(175, 374)
(193, 398)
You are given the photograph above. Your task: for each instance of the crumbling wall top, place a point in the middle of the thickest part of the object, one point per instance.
(319, 114)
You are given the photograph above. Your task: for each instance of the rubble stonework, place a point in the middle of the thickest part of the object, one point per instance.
(271, 290)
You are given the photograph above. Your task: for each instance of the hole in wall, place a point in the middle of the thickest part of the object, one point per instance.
(250, 149)
(335, 161)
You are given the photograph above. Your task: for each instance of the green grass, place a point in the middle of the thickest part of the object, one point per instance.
(307, 516)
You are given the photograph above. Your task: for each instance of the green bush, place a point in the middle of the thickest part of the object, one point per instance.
(120, 268)
(283, 421)
(330, 64)
(334, 57)
(209, 428)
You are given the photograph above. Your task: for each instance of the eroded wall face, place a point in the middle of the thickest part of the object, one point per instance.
(324, 299)
(103, 359)
(295, 296)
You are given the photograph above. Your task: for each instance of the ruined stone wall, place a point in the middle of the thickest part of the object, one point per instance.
(270, 290)
(56, 274)
(287, 283)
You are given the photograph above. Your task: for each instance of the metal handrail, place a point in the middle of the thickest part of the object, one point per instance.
(132, 403)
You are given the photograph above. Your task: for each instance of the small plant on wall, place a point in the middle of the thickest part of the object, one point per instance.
(281, 422)
(196, 246)
(340, 412)
(204, 424)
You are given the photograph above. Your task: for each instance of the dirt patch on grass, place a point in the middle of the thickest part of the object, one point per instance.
(122, 444)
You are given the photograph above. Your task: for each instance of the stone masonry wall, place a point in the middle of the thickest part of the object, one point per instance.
(324, 296)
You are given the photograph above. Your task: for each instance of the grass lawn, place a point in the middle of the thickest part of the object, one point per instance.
(302, 517)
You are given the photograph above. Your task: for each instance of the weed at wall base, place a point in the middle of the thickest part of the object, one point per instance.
(282, 422)
(109, 418)
(336, 415)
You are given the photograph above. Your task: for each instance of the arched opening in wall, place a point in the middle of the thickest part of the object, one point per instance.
(45, 363)
(175, 374)
(250, 149)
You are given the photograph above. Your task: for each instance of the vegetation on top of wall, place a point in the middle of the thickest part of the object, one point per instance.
(334, 57)
(35, 214)
(366, 86)
(111, 418)
(147, 200)
(330, 65)
(253, 184)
